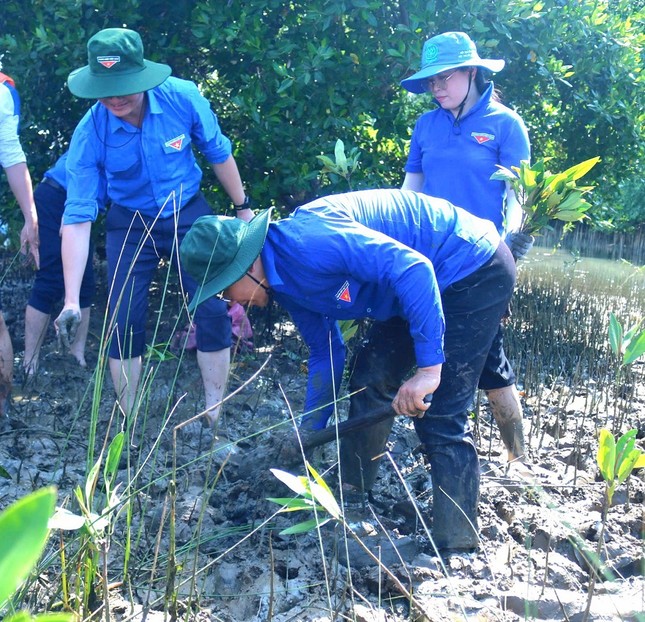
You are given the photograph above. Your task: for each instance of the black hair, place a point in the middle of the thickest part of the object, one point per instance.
(482, 80)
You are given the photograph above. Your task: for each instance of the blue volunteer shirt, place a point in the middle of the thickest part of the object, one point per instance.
(376, 254)
(58, 172)
(487, 135)
(152, 169)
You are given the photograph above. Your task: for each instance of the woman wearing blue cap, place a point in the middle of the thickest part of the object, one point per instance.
(454, 150)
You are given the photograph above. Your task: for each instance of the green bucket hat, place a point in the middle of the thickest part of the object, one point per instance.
(449, 50)
(116, 67)
(218, 250)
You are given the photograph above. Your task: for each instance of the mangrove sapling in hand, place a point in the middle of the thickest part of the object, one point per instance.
(546, 196)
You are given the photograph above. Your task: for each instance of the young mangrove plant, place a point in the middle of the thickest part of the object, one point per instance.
(546, 196)
(95, 530)
(627, 345)
(616, 461)
(314, 495)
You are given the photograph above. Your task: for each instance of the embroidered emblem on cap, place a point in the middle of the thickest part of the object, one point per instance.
(108, 61)
(482, 137)
(430, 53)
(176, 143)
(343, 293)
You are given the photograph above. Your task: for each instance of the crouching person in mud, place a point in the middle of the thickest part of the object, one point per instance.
(437, 282)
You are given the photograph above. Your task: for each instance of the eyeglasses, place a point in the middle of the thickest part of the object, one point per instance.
(262, 285)
(439, 82)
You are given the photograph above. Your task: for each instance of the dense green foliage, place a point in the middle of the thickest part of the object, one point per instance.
(288, 79)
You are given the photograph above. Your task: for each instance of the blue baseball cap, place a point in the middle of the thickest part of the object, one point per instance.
(449, 50)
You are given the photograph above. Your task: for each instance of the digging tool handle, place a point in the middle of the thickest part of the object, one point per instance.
(328, 434)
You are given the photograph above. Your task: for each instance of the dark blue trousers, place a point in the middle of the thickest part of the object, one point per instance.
(134, 245)
(473, 309)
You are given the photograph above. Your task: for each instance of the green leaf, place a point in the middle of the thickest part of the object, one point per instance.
(625, 444)
(90, 484)
(304, 527)
(503, 174)
(341, 158)
(323, 495)
(640, 463)
(579, 170)
(569, 215)
(4, 474)
(615, 334)
(292, 504)
(23, 534)
(25, 616)
(113, 458)
(298, 484)
(627, 466)
(606, 457)
(635, 348)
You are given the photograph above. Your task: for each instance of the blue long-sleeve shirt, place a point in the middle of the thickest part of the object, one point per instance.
(376, 254)
(151, 169)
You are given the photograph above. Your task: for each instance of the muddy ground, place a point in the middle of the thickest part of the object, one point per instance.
(533, 523)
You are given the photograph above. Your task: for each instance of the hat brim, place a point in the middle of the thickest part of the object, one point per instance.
(416, 83)
(86, 85)
(248, 251)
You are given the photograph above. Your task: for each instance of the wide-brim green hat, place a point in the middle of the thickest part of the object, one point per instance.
(218, 250)
(116, 67)
(450, 50)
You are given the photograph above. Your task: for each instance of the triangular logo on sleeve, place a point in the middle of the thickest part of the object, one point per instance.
(482, 137)
(108, 61)
(343, 293)
(176, 143)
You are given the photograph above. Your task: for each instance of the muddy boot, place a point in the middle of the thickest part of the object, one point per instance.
(455, 495)
(507, 410)
(377, 372)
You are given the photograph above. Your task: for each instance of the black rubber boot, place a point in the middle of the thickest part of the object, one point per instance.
(377, 371)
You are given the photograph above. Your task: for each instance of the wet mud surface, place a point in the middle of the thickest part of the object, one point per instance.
(230, 561)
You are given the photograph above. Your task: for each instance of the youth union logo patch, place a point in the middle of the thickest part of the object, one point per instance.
(482, 137)
(175, 143)
(108, 61)
(343, 293)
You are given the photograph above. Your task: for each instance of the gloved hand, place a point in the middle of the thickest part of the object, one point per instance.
(519, 243)
(66, 325)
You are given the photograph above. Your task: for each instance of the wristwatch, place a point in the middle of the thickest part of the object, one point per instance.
(246, 204)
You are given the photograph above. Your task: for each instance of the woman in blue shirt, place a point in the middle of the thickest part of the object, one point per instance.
(439, 271)
(454, 150)
(140, 135)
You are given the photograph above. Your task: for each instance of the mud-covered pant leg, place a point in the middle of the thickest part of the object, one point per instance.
(473, 308)
(377, 371)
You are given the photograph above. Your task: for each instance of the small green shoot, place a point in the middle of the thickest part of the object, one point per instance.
(343, 165)
(627, 345)
(314, 495)
(617, 459)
